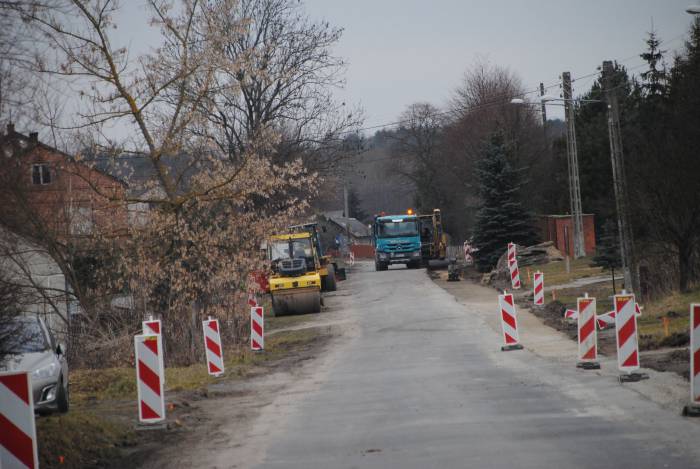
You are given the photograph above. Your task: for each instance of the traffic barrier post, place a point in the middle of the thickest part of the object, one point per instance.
(693, 409)
(538, 288)
(149, 378)
(513, 266)
(587, 334)
(605, 320)
(509, 322)
(154, 327)
(571, 314)
(626, 338)
(18, 446)
(257, 328)
(212, 347)
(252, 299)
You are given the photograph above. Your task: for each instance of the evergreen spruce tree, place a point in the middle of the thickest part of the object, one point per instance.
(654, 78)
(355, 207)
(607, 251)
(501, 218)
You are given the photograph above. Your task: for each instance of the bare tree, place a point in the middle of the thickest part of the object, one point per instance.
(284, 81)
(417, 153)
(17, 87)
(192, 251)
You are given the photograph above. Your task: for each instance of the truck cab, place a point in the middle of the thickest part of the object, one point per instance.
(396, 241)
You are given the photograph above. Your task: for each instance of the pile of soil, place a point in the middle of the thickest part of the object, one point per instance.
(677, 339)
(677, 361)
(552, 314)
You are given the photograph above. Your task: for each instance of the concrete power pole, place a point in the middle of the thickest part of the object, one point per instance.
(619, 179)
(544, 108)
(574, 182)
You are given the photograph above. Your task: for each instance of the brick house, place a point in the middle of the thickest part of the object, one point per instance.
(69, 197)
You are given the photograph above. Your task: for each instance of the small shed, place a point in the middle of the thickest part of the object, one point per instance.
(559, 229)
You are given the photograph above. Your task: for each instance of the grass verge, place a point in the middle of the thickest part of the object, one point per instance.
(673, 308)
(555, 272)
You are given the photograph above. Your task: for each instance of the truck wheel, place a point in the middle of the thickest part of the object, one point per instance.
(378, 266)
(330, 283)
(414, 265)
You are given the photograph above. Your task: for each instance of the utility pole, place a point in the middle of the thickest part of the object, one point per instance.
(346, 202)
(574, 182)
(619, 179)
(544, 108)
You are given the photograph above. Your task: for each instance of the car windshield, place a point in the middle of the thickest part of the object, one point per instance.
(22, 335)
(300, 248)
(394, 229)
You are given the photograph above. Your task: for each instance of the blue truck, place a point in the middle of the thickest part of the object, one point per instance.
(397, 240)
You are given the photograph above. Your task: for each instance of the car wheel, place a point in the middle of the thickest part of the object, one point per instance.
(62, 397)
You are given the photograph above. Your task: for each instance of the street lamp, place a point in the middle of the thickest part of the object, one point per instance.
(693, 9)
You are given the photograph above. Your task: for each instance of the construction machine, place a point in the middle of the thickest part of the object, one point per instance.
(295, 281)
(331, 272)
(300, 271)
(433, 240)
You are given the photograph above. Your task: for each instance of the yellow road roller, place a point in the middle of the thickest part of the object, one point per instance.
(295, 282)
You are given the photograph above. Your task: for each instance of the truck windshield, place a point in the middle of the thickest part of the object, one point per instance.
(395, 229)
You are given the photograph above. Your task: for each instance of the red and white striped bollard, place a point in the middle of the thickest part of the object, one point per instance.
(18, 445)
(587, 334)
(605, 320)
(509, 322)
(626, 338)
(513, 267)
(693, 409)
(212, 347)
(154, 327)
(149, 378)
(252, 300)
(257, 328)
(538, 288)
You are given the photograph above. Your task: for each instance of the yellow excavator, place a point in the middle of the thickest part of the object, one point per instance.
(299, 271)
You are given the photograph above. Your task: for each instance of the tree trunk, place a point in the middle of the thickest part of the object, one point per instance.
(685, 266)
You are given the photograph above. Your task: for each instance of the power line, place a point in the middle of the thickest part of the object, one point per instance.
(503, 96)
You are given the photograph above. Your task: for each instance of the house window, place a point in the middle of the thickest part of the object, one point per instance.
(41, 174)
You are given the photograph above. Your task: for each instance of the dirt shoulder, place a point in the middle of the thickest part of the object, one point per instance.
(100, 430)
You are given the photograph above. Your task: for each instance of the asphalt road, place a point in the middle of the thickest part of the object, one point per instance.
(420, 382)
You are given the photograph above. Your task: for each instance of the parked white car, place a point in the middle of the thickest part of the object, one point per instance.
(31, 347)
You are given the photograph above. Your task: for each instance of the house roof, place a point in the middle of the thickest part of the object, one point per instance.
(356, 228)
(138, 172)
(26, 143)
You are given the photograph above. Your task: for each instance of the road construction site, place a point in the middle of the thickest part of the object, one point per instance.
(414, 376)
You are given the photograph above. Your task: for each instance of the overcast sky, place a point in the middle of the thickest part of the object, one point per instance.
(404, 51)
